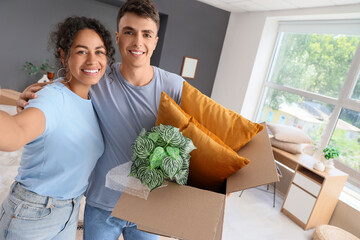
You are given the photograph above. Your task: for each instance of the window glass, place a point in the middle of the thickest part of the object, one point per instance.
(356, 93)
(290, 109)
(308, 66)
(316, 63)
(346, 137)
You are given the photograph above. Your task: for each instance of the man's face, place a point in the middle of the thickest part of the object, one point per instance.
(136, 39)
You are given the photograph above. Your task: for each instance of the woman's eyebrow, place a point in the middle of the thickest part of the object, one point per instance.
(82, 46)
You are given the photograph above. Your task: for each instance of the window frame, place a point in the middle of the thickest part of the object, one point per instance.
(344, 99)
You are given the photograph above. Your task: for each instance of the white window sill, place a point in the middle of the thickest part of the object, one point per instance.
(349, 199)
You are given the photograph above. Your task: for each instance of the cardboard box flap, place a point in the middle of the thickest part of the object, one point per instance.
(260, 171)
(175, 211)
(8, 96)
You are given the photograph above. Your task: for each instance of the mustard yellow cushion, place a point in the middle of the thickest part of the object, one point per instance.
(213, 161)
(169, 113)
(233, 129)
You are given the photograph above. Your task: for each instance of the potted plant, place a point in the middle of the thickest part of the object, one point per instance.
(44, 68)
(159, 154)
(330, 153)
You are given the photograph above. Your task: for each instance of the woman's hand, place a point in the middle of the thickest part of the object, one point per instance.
(27, 94)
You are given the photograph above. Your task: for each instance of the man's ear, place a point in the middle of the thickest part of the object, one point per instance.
(62, 55)
(156, 41)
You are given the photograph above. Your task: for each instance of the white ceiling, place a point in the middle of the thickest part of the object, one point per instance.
(271, 5)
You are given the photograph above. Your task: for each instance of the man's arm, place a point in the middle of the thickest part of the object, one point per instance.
(27, 94)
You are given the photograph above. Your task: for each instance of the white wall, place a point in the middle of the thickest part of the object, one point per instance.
(247, 49)
(245, 53)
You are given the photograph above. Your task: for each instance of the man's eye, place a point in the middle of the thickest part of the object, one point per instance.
(128, 33)
(147, 35)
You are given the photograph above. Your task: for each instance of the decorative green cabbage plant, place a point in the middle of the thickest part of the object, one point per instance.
(161, 153)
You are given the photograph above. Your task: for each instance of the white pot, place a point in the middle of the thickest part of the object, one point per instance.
(319, 166)
(329, 165)
(44, 79)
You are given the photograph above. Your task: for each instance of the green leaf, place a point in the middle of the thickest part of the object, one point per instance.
(154, 136)
(156, 180)
(187, 148)
(141, 161)
(173, 152)
(186, 162)
(145, 174)
(142, 133)
(144, 147)
(171, 166)
(156, 157)
(133, 153)
(163, 173)
(173, 136)
(150, 177)
(133, 171)
(181, 177)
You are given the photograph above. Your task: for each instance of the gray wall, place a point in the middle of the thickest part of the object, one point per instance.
(193, 29)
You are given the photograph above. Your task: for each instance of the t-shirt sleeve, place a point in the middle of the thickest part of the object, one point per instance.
(178, 85)
(50, 102)
(172, 85)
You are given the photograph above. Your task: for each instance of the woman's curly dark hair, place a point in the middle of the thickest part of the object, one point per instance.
(66, 31)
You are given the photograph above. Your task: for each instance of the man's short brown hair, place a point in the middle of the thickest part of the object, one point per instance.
(142, 8)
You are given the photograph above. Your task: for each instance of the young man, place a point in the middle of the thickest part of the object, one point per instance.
(126, 101)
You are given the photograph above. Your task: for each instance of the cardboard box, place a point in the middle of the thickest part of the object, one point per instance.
(8, 97)
(190, 213)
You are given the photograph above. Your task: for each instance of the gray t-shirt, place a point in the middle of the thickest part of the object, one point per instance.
(123, 110)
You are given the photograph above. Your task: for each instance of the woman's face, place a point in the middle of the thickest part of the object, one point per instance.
(87, 61)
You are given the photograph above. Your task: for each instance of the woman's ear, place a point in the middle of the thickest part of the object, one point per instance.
(62, 55)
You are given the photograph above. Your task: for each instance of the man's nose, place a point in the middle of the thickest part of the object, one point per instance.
(138, 40)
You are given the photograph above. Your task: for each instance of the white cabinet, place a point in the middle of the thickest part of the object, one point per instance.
(307, 184)
(299, 203)
(312, 196)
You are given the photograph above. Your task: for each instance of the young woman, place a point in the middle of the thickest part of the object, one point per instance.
(62, 136)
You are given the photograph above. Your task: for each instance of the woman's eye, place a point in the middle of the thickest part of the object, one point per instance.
(81, 52)
(100, 53)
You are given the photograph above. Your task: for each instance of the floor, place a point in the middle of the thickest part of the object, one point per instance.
(252, 217)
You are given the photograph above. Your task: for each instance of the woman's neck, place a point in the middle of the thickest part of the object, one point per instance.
(79, 89)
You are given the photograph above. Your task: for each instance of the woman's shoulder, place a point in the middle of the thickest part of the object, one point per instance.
(54, 91)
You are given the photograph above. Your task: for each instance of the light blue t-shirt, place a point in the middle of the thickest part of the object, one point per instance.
(123, 110)
(58, 163)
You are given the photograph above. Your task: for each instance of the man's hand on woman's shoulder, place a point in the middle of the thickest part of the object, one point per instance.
(27, 94)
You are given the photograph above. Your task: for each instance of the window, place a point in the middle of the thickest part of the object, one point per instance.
(313, 83)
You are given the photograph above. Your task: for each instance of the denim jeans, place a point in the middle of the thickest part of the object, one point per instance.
(26, 215)
(99, 225)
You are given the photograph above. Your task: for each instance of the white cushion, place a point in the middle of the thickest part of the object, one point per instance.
(294, 148)
(288, 134)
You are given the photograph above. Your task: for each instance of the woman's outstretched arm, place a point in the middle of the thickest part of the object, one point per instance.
(18, 130)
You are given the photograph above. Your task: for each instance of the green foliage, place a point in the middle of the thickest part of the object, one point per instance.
(33, 69)
(350, 150)
(316, 63)
(162, 153)
(331, 153)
